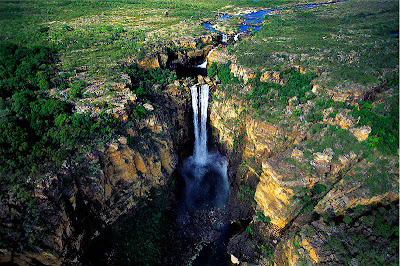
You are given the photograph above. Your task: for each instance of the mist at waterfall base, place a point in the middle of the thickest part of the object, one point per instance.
(205, 173)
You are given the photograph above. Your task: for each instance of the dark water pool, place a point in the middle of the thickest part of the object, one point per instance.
(183, 72)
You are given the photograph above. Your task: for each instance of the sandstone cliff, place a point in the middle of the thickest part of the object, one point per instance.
(99, 184)
(286, 173)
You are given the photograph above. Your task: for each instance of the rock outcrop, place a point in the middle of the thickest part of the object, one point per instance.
(345, 240)
(98, 185)
(284, 174)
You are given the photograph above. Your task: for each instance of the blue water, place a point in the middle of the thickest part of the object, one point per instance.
(252, 21)
(307, 6)
(258, 14)
(208, 26)
(254, 18)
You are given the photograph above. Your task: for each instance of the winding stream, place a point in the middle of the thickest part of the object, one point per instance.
(252, 21)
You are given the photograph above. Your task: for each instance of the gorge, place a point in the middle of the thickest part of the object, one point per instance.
(205, 174)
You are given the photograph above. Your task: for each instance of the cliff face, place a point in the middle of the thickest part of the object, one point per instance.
(287, 173)
(181, 53)
(128, 175)
(99, 184)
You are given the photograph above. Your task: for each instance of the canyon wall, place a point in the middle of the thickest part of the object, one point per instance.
(99, 184)
(278, 177)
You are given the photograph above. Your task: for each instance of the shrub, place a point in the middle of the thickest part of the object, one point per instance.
(314, 116)
(297, 112)
(76, 90)
(384, 124)
(261, 217)
(212, 70)
(25, 68)
(147, 78)
(139, 112)
(347, 219)
(224, 73)
(317, 127)
(318, 189)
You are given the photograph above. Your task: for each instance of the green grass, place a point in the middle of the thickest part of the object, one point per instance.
(98, 35)
(351, 40)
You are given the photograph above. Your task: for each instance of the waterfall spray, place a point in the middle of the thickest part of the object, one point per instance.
(200, 101)
(195, 107)
(203, 129)
(205, 174)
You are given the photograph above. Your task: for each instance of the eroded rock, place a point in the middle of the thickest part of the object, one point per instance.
(361, 133)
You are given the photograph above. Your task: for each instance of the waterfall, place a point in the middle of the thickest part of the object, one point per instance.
(203, 65)
(204, 91)
(236, 37)
(200, 102)
(205, 173)
(195, 107)
(224, 38)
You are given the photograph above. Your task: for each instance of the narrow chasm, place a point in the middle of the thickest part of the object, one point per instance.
(185, 221)
(201, 211)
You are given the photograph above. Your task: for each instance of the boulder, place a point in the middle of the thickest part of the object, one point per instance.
(361, 133)
(271, 76)
(241, 72)
(200, 79)
(149, 63)
(344, 120)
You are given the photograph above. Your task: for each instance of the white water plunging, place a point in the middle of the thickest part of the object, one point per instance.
(205, 174)
(204, 64)
(195, 108)
(204, 91)
(224, 38)
(200, 101)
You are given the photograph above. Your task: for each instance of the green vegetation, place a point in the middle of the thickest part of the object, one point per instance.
(143, 80)
(25, 68)
(384, 121)
(212, 70)
(46, 44)
(261, 217)
(37, 134)
(138, 112)
(98, 35)
(341, 141)
(358, 246)
(351, 40)
(378, 177)
(265, 95)
(224, 73)
(75, 92)
(269, 255)
(318, 189)
(36, 130)
(247, 193)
